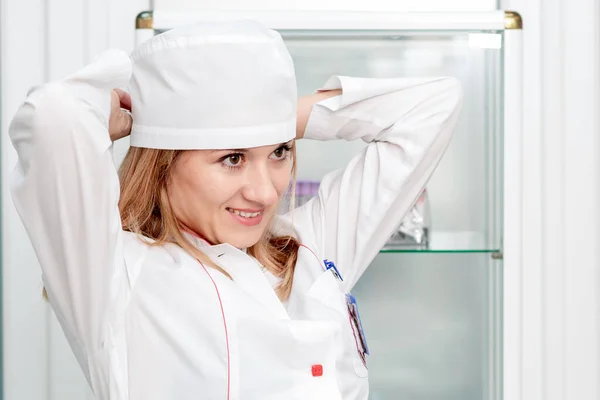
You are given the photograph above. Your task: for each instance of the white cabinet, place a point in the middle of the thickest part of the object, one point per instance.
(433, 314)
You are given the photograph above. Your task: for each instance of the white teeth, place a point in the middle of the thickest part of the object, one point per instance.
(244, 214)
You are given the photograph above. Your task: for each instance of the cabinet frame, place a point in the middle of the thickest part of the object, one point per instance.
(510, 24)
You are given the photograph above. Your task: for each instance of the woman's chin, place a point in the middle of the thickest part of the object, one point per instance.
(243, 235)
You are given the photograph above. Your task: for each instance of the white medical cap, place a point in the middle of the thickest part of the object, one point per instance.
(218, 85)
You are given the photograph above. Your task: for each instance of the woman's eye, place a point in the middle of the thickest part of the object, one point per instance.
(233, 160)
(280, 153)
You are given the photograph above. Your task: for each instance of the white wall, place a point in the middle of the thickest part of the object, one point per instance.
(43, 40)
(24, 317)
(560, 332)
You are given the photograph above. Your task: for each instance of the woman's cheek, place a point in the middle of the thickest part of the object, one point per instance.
(282, 181)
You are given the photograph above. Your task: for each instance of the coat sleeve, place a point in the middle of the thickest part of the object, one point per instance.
(66, 190)
(407, 124)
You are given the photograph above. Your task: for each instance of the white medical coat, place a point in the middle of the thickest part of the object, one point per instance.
(150, 323)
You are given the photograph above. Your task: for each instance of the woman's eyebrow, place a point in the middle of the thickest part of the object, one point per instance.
(230, 150)
(289, 143)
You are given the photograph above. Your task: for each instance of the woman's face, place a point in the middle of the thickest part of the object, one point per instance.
(229, 196)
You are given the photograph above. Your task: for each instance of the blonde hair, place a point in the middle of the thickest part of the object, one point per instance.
(146, 210)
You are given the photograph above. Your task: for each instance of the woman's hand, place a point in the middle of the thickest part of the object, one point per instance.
(119, 123)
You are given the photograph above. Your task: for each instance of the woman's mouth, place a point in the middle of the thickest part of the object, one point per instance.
(246, 217)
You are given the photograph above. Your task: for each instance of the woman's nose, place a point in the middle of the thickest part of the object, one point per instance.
(260, 187)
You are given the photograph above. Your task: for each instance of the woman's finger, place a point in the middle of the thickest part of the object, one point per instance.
(124, 99)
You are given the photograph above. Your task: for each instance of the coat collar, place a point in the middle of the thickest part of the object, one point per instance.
(245, 271)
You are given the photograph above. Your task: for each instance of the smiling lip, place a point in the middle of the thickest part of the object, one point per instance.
(248, 220)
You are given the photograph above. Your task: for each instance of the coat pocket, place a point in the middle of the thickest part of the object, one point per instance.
(326, 290)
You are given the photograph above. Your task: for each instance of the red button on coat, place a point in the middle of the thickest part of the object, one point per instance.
(317, 370)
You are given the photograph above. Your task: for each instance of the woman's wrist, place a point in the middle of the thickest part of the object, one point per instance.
(305, 104)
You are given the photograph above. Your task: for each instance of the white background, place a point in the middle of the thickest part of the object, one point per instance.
(560, 332)
(559, 349)
(43, 40)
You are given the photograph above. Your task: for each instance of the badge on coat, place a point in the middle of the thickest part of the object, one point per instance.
(357, 328)
(355, 321)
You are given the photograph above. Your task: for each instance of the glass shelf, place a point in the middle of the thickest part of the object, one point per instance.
(447, 242)
(437, 251)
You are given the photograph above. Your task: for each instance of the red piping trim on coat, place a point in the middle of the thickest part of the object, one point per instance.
(226, 333)
(313, 253)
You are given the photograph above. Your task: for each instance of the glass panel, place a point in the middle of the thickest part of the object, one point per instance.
(432, 324)
(464, 191)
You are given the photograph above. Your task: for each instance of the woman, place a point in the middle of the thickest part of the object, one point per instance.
(185, 283)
